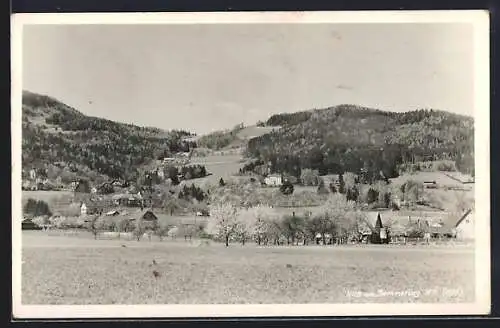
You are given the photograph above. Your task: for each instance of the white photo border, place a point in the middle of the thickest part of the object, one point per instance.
(480, 21)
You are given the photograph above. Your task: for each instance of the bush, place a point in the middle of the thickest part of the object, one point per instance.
(287, 188)
(37, 208)
(416, 233)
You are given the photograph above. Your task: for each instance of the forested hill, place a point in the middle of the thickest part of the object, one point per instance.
(55, 133)
(352, 138)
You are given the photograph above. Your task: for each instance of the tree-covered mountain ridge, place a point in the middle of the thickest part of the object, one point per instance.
(351, 138)
(54, 132)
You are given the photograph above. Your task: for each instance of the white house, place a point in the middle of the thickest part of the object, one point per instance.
(465, 227)
(83, 209)
(168, 160)
(273, 180)
(32, 174)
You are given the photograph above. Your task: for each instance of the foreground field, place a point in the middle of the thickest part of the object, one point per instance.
(65, 270)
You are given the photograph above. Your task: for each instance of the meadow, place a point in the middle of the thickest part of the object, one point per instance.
(80, 270)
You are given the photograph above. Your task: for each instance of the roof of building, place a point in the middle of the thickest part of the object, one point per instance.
(143, 212)
(112, 212)
(330, 176)
(441, 178)
(468, 214)
(402, 221)
(189, 220)
(119, 196)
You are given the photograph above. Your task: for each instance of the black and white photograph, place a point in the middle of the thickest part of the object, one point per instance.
(250, 164)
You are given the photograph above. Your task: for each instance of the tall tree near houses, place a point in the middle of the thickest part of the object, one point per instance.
(245, 225)
(139, 228)
(321, 187)
(223, 221)
(263, 216)
(341, 184)
(95, 225)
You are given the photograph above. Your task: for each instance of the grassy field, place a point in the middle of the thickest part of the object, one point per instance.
(255, 131)
(223, 166)
(79, 270)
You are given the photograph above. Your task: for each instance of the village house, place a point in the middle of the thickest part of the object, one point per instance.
(73, 185)
(149, 219)
(105, 188)
(116, 183)
(95, 206)
(32, 174)
(83, 209)
(273, 180)
(168, 160)
(130, 200)
(331, 179)
(120, 199)
(399, 224)
(430, 184)
(112, 213)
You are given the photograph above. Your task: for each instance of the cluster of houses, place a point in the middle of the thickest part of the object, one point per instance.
(36, 181)
(149, 218)
(382, 226)
(276, 180)
(386, 226)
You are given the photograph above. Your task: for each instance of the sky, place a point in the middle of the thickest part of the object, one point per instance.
(204, 78)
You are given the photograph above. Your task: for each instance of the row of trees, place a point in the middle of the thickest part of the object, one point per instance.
(338, 218)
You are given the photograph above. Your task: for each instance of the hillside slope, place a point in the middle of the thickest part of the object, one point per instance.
(352, 138)
(235, 138)
(58, 137)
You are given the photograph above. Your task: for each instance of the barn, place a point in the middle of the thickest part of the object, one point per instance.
(28, 224)
(149, 219)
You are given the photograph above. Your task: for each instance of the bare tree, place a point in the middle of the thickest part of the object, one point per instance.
(338, 216)
(223, 221)
(40, 220)
(162, 230)
(139, 229)
(95, 225)
(245, 225)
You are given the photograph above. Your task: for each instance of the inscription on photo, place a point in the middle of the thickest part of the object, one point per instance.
(446, 293)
